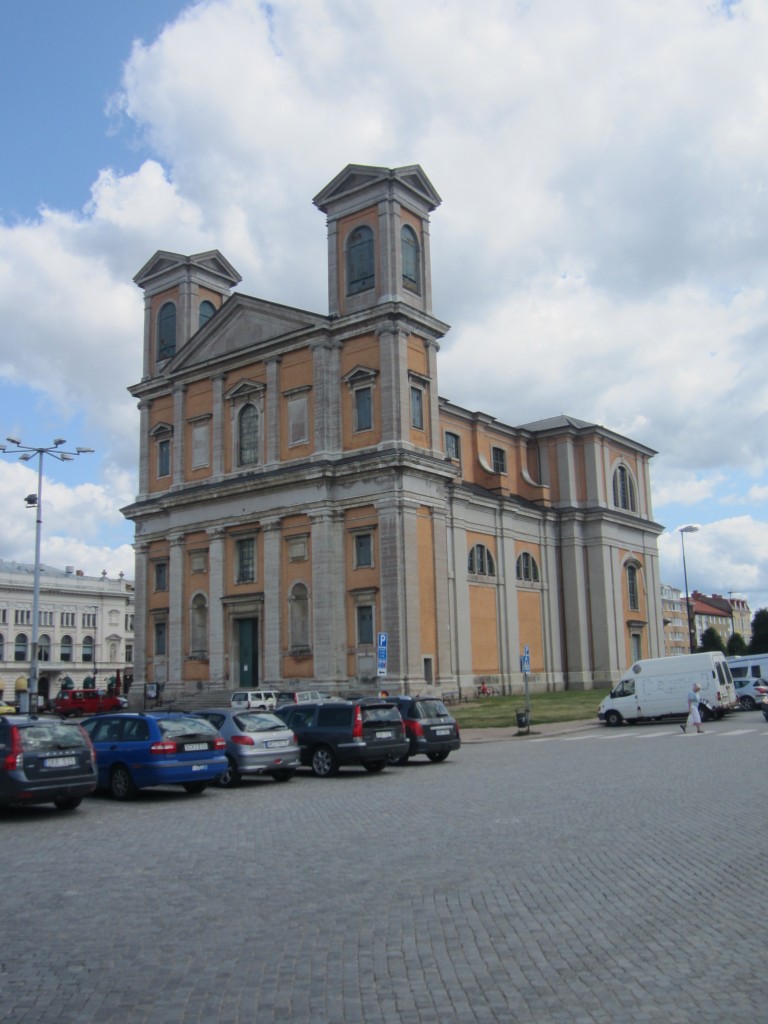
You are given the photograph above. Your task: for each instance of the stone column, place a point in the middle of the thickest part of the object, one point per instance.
(146, 446)
(444, 675)
(273, 410)
(329, 628)
(218, 426)
(399, 614)
(140, 623)
(435, 437)
(327, 395)
(179, 433)
(273, 601)
(176, 610)
(395, 393)
(216, 620)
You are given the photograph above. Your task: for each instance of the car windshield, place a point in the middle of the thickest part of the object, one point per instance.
(52, 736)
(187, 726)
(255, 721)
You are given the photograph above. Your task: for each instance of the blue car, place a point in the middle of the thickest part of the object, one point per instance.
(155, 748)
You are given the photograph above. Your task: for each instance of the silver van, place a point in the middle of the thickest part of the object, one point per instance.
(258, 700)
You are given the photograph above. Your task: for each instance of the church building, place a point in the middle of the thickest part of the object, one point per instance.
(311, 511)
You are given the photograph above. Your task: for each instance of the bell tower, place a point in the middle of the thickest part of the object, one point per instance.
(378, 237)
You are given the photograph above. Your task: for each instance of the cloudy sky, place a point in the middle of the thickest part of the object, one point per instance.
(601, 250)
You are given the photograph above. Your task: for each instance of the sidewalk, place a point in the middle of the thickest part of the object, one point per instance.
(535, 731)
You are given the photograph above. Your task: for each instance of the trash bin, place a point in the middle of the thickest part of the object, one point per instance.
(522, 718)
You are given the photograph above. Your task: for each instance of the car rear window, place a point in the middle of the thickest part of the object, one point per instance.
(53, 735)
(173, 727)
(380, 713)
(257, 721)
(430, 709)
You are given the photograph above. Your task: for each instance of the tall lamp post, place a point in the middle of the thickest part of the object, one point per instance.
(682, 531)
(26, 453)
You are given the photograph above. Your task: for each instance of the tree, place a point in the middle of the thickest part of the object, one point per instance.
(711, 640)
(759, 641)
(736, 645)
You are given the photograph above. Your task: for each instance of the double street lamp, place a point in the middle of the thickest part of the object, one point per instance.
(691, 619)
(26, 453)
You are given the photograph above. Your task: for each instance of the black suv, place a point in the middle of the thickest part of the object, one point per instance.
(43, 761)
(429, 726)
(368, 733)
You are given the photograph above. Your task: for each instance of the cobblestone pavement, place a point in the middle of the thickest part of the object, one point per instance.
(587, 876)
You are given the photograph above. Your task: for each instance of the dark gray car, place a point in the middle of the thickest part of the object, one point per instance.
(334, 733)
(258, 743)
(43, 761)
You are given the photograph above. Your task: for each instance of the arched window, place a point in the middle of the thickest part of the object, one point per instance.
(299, 616)
(44, 648)
(527, 569)
(409, 247)
(207, 309)
(360, 263)
(480, 561)
(87, 648)
(248, 435)
(20, 647)
(632, 591)
(198, 627)
(66, 648)
(166, 331)
(624, 490)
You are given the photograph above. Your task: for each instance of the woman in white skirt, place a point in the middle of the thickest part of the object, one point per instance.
(694, 718)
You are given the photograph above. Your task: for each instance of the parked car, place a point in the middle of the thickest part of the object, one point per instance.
(6, 708)
(44, 760)
(261, 700)
(335, 733)
(69, 703)
(750, 692)
(302, 696)
(258, 743)
(155, 748)
(430, 727)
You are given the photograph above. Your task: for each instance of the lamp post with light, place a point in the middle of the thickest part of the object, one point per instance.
(27, 453)
(682, 531)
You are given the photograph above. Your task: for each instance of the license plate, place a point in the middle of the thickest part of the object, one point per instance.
(277, 743)
(60, 762)
(442, 732)
(195, 746)
(384, 735)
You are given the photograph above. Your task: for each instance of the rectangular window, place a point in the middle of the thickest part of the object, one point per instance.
(164, 458)
(246, 560)
(3, 616)
(161, 575)
(363, 408)
(46, 618)
(298, 421)
(129, 653)
(68, 619)
(88, 620)
(499, 460)
(363, 550)
(637, 646)
(365, 624)
(417, 408)
(22, 617)
(201, 435)
(161, 639)
(129, 623)
(453, 446)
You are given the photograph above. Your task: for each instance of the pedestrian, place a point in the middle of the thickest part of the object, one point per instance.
(694, 718)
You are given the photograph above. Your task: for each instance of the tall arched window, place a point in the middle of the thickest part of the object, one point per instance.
(166, 331)
(44, 648)
(87, 648)
(409, 247)
(207, 309)
(299, 616)
(624, 490)
(198, 627)
(360, 262)
(248, 435)
(66, 648)
(527, 569)
(480, 561)
(20, 647)
(632, 590)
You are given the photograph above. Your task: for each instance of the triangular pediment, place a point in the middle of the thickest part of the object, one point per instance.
(161, 429)
(164, 268)
(242, 324)
(360, 179)
(360, 374)
(244, 389)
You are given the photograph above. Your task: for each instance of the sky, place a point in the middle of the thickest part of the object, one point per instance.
(601, 249)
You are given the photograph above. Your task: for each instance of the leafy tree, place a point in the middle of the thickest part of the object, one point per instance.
(759, 641)
(711, 640)
(736, 645)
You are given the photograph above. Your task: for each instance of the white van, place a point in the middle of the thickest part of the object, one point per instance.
(258, 700)
(659, 688)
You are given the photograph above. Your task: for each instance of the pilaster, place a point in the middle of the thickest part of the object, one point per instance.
(272, 533)
(176, 609)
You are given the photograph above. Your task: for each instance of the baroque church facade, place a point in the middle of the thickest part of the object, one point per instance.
(303, 489)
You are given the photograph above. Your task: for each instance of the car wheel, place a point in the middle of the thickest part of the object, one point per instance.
(68, 803)
(612, 718)
(748, 703)
(324, 763)
(285, 775)
(375, 766)
(438, 755)
(121, 784)
(231, 776)
(194, 787)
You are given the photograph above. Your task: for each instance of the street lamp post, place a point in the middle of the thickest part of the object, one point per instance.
(26, 453)
(682, 531)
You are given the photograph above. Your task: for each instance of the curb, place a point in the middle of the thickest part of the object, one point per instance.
(534, 732)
